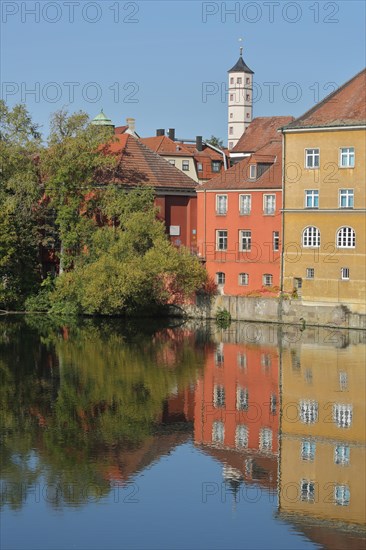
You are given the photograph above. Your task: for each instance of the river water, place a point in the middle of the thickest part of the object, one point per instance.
(121, 435)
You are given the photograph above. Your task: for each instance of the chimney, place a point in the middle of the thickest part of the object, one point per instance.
(171, 134)
(199, 143)
(160, 132)
(131, 124)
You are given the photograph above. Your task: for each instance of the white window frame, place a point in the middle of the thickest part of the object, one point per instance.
(239, 80)
(308, 449)
(199, 167)
(310, 273)
(348, 195)
(311, 237)
(276, 241)
(218, 432)
(221, 240)
(242, 399)
(309, 411)
(243, 279)
(342, 455)
(349, 153)
(268, 208)
(267, 279)
(265, 440)
(245, 236)
(307, 490)
(245, 209)
(218, 276)
(252, 171)
(312, 153)
(241, 436)
(216, 166)
(242, 360)
(221, 210)
(219, 397)
(342, 495)
(342, 415)
(345, 273)
(185, 165)
(313, 195)
(172, 162)
(346, 237)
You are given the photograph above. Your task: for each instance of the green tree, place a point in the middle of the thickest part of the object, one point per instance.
(20, 205)
(215, 141)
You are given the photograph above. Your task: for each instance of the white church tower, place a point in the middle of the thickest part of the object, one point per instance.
(240, 100)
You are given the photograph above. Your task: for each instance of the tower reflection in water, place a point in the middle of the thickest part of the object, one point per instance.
(307, 440)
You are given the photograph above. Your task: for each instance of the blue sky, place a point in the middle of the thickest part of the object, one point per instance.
(153, 60)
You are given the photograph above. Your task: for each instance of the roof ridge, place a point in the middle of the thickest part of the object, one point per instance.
(326, 99)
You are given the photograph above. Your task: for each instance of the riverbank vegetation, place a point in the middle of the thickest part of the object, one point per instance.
(61, 209)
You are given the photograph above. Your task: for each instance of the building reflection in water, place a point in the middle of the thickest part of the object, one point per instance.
(237, 405)
(319, 414)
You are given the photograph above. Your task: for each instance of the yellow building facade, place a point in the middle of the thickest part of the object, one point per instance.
(323, 443)
(324, 201)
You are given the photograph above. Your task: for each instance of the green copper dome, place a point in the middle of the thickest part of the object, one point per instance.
(102, 120)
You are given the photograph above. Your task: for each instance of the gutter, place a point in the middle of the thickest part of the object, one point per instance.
(217, 151)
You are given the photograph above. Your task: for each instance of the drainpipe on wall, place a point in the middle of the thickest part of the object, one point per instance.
(218, 151)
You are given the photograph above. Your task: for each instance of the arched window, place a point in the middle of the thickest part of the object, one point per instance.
(311, 237)
(346, 238)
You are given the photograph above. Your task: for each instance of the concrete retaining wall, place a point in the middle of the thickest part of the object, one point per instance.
(277, 310)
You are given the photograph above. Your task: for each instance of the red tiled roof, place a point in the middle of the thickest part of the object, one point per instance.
(206, 151)
(140, 165)
(166, 146)
(120, 129)
(237, 177)
(259, 132)
(344, 107)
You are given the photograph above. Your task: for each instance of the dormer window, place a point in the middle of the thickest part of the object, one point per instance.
(252, 171)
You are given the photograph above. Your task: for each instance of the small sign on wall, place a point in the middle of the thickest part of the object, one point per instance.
(174, 230)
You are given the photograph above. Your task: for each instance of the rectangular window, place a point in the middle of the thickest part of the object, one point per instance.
(307, 490)
(266, 360)
(245, 240)
(310, 273)
(172, 162)
(342, 415)
(231, 80)
(216, 166)
(220, 278)
(185, 165)
(342, 455)
(242, 360)
(238, 80)
(242, 399)
(243, 279)
(231, 130)
(343, 381)
(345, 273)
(221, 239)
(269, 204)
(219, 355)
(231, 115)
(252, 171)
(218, 432)
(276, 241)
(312, 198)
(308, 450)
(342, 495)
(231, 97)
(231, 144)
(265, 440)
(347, 157)
(221, 205)
(247, 80)
(219, 396)
(241, 436)
(267, 279)
(308, 411)
(199, 167)
(245, 203)
(312, 157)
(346, 198)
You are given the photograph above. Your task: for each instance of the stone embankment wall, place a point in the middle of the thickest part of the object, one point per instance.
(277, 310)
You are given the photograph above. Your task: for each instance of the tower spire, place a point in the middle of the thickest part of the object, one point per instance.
(241, 47)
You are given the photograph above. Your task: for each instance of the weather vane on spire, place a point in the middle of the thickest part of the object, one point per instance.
(241, 47)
